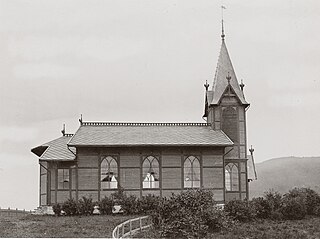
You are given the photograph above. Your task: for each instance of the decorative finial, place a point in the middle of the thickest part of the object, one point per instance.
(228, 78)
(80, 120)
(63, 131)
(242, 85)
(222, 35)
(251, 150)
(206, 85)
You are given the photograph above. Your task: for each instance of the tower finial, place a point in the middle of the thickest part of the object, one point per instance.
(63, 131)
(241, 85)
(206, 85)
(80, 120)
(222, 35)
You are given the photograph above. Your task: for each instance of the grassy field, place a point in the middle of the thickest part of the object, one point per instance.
(51, 226)
(264, 229)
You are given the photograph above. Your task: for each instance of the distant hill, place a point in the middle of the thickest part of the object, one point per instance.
(283, 174)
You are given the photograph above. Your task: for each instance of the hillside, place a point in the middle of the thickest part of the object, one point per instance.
(282, 174)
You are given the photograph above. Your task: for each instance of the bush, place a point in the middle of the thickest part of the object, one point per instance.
(70, 207)
(85, 206)
(105, 205)
(147, 204)
(317, 210)
(56, 209)
(293, 207)
(242, 211)
(273, 200)
(262, 207)
(129, 205)
(187, 215)
(310, 198)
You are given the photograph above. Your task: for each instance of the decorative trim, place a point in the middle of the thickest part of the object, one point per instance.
(142, 124)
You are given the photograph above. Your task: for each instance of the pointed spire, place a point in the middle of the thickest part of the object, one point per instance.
(224, 68)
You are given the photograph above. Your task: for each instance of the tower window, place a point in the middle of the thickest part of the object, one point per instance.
(109, 173)
(191, 170)
(232, 177)
(150, 172)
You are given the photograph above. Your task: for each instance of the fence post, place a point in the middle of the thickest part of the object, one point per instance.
(122, 230)
(130, 225)
(117, 232)
(140, 220)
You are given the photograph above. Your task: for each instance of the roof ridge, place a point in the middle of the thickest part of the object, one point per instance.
(141, 124)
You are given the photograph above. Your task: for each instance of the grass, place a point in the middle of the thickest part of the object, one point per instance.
(263, 229)
(37, 226)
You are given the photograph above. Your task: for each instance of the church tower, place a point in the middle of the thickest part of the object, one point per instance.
(225, 109)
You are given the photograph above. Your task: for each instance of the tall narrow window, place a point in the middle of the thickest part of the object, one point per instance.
(63, 178)
(109, 173)
(150, 172)
(232, 177)
(191, 172)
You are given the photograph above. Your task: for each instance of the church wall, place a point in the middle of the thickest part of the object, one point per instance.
(84, 176)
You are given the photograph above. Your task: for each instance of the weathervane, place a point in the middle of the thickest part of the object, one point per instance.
(222, 35)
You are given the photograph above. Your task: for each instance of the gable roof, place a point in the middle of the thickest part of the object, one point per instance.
(220, 83)
(55, 150)
(148, 134)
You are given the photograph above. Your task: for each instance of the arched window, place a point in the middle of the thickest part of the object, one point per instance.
(150, 172)
(191, 172)
(109, 173)
(232, 177)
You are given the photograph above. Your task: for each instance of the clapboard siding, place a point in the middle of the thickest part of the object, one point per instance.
(88, 178)
(213, 178)
(130, 178)
(171, 178)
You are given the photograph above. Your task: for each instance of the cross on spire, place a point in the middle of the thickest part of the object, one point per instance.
(222, 35)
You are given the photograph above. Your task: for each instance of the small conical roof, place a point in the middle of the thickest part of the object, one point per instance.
(220, 83)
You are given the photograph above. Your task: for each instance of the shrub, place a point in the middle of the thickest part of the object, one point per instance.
(105, 205)
(85, 206)
(217, 220)
(187, 215)
(262, 207)
(293, 207)
(242, 211)
(56, 209)
(310, 198)
(147, 204)
(70, 207)
(317, 210)
(273, 200)
(129, 205)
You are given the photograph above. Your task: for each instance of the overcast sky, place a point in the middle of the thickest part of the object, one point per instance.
(147, 61)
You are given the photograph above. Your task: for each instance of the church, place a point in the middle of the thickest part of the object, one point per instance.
(155, 158)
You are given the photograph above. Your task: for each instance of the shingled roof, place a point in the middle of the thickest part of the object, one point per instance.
(148, 134)
(220, 83)
(55, 150)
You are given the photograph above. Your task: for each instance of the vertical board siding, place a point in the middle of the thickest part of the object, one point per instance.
(43, 183)
(232, 196)
(43, 200)
(243, 182)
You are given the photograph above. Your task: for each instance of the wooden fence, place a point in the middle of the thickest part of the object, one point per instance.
(130, 227)
(9, 212)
